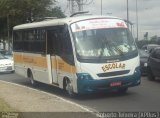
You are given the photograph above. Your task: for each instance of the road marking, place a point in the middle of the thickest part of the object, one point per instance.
(67, 101)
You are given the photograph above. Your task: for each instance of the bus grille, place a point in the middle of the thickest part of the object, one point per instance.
(108, 74)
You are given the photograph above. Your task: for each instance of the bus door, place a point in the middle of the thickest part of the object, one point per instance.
(60, 49)
(51, 53)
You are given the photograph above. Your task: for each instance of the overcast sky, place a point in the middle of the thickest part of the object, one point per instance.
(148, 13)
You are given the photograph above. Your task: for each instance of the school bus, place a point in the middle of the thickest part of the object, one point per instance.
(83, 54)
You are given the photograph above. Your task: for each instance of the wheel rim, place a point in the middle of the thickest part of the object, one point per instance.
(31, 79)
(69, 88)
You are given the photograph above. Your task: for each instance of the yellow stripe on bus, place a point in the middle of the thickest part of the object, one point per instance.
(31, 60)
(63, 66)
(18, 58)
(36, 61)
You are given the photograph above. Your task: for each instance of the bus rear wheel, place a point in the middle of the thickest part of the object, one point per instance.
(30, 77)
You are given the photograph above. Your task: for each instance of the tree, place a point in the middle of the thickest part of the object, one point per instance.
(22, 11)
(25, 10)
(57, 12)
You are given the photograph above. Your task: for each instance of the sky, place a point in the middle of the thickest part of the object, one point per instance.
(148, 13)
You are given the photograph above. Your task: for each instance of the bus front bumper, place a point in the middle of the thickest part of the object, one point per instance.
(106, 85)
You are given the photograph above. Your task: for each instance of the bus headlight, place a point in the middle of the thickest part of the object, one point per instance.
(84, 76)
(137, 70)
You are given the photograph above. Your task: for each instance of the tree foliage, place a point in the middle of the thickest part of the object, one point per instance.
(23, 11)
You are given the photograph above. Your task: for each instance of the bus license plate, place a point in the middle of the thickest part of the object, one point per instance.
(113, 84)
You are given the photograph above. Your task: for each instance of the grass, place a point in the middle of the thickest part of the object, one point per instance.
(4, 107)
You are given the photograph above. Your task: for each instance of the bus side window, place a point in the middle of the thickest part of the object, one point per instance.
(52, 42)
(66, 41)
(40, 41)
(17, 41)
(59, 43)
(66, 51)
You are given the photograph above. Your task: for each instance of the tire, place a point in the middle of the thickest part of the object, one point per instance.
(13, 71)
(69, 88)
(150, 75)
(122, 90)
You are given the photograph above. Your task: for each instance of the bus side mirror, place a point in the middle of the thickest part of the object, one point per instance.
(146, 51)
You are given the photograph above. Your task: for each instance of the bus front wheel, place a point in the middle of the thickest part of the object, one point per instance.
(69, 88)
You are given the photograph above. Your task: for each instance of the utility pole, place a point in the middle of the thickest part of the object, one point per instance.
(77, 5)
(72, 4)
(80, 5)
(8, 28)
(127, 15)
(137, 18)
(101, 7)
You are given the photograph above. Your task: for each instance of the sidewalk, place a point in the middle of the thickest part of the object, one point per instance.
(31, 103)
(25, 99)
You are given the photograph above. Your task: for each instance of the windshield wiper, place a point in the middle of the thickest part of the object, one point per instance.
(119, 51)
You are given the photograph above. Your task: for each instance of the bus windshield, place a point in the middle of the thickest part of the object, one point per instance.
(104, 42)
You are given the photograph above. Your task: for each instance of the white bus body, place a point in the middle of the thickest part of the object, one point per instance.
(79, 54)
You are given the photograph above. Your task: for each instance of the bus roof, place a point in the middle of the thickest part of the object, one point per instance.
(55, 22)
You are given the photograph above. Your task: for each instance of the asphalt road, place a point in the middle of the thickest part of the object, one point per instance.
(145, 97)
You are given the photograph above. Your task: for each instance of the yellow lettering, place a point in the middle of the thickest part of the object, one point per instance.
(103, 68)
(116, 65)
(123, 67)
(120, 66)
(110, 66)
(113, 66)
(107, 67)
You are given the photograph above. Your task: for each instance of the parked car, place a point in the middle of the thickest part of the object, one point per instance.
(2, 51)
(143, 61)
(7, 54)
(6, 65)
(149, 47)
(154, 64)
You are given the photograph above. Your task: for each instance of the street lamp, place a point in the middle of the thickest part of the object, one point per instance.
(136, 17)
(8, 32)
